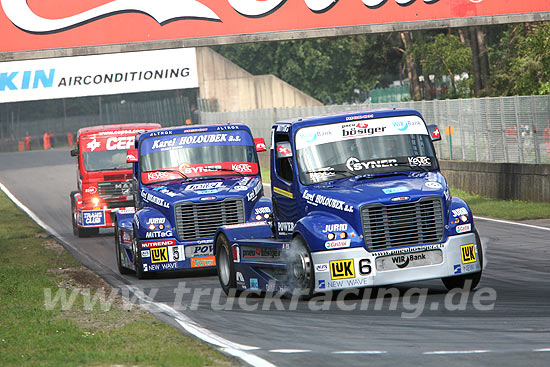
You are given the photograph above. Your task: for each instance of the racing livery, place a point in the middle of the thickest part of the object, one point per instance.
(102, 175)
(188, 181)
(358, 201)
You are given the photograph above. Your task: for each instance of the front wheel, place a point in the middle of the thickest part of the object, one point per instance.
(470, 281)
(225, 265)
(138, 263)
(118, 249)
(300, 268)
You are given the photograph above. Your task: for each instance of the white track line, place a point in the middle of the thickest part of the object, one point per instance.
(510, 222)
(542, 350)
(234, 349)
(459, 351)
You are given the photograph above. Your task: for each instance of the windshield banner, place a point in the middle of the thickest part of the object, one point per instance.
(174, 142)
(402, 125)
(199, 170)
(106, 143)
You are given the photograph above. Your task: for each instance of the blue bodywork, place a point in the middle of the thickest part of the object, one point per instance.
(338, 207)
(176, 216)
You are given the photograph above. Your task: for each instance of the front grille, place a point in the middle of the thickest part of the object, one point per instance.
(387, 226)
(201, 220)
(113, 189)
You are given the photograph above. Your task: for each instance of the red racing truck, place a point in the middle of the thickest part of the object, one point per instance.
(103, 177)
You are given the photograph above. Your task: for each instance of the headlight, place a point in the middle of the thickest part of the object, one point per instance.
(95, 201)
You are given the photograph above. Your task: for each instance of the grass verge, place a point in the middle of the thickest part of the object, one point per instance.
(504, 209)
(86, 333)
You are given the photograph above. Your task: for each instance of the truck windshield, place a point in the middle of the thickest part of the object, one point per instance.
(105, 160)
(198, 154)
(335, 151)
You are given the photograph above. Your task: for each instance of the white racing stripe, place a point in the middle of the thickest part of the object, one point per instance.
(458, 351)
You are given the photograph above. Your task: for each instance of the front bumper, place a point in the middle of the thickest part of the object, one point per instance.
(356, 267)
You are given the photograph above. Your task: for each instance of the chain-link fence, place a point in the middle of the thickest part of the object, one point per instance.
(498, 129)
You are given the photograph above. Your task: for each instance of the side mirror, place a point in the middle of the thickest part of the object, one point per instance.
(433, 130)
(132, 156)
(74, 153)
(260, 144)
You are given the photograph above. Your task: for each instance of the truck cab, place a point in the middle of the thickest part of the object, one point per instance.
(188, 181)
(102, 175)
(358, 201)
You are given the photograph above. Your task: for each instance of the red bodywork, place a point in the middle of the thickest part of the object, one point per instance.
(102, 188)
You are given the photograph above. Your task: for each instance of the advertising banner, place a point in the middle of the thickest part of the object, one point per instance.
(39, 25)
(80, 76)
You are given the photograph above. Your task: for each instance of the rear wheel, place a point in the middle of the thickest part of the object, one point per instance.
(300, 267)
(225, 265)
(470, 281)
(119, 253)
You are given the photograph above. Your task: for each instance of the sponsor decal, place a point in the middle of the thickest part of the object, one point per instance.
(318, 199)
(244, 225)
(409, 260)
(468, 253)
(93, 145)
(93, 218)
(409, 250)
(120, 143)
(322, 284)
(252, 195)
(126, 237)
(156, 220)
(201, 262)
(254, 283)
(335, 228)
(400, 198)
(354, 130)
(360, 117)
(395, 190)
(262, 210)
(280, 191)
(204, 186)
(199, 250)
(283, 128)
(342, 269)
(159, 254)
(164, 243)
(145, 253)
(433, 185)
(147, 196)
(354, 282)
(464, 228)
(240, 188)
(321, 268)
(354, 164)
(457, 269)
(460, 211)
(285, 227)
(158, 234)
(239, 277)
(242, 167)
(164, 190)
(322, 174)
(91, 190)
(420, 161)
(283, 151)
(129, 210)
(262, 253)
(337, 244)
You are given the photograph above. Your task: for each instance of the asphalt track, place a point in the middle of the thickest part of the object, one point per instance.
(435, 330)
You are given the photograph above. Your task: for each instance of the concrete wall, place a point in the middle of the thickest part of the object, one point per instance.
(236, 90)
(508, 181)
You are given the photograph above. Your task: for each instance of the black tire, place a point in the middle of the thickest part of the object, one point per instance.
(73, 212)
(118, 249)
(138, 263)
(470, 281)
(225, 265)
(300, 268)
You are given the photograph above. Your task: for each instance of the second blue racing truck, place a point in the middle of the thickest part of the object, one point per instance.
(358, 201)
(188, 181)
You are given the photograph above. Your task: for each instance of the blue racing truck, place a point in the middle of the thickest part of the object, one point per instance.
(358, 201)
(188, 181)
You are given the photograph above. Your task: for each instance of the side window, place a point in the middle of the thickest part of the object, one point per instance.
(283, 156)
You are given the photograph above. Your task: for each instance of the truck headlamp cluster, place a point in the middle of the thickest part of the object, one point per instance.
(152, 227)
(342, 235)
(331, 236)
(95, 201)
(464, 218)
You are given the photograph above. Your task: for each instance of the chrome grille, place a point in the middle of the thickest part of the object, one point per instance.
(387, 226)
(201, 220)
(112, 189)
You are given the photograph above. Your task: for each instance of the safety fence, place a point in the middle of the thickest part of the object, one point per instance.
(496, 129)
